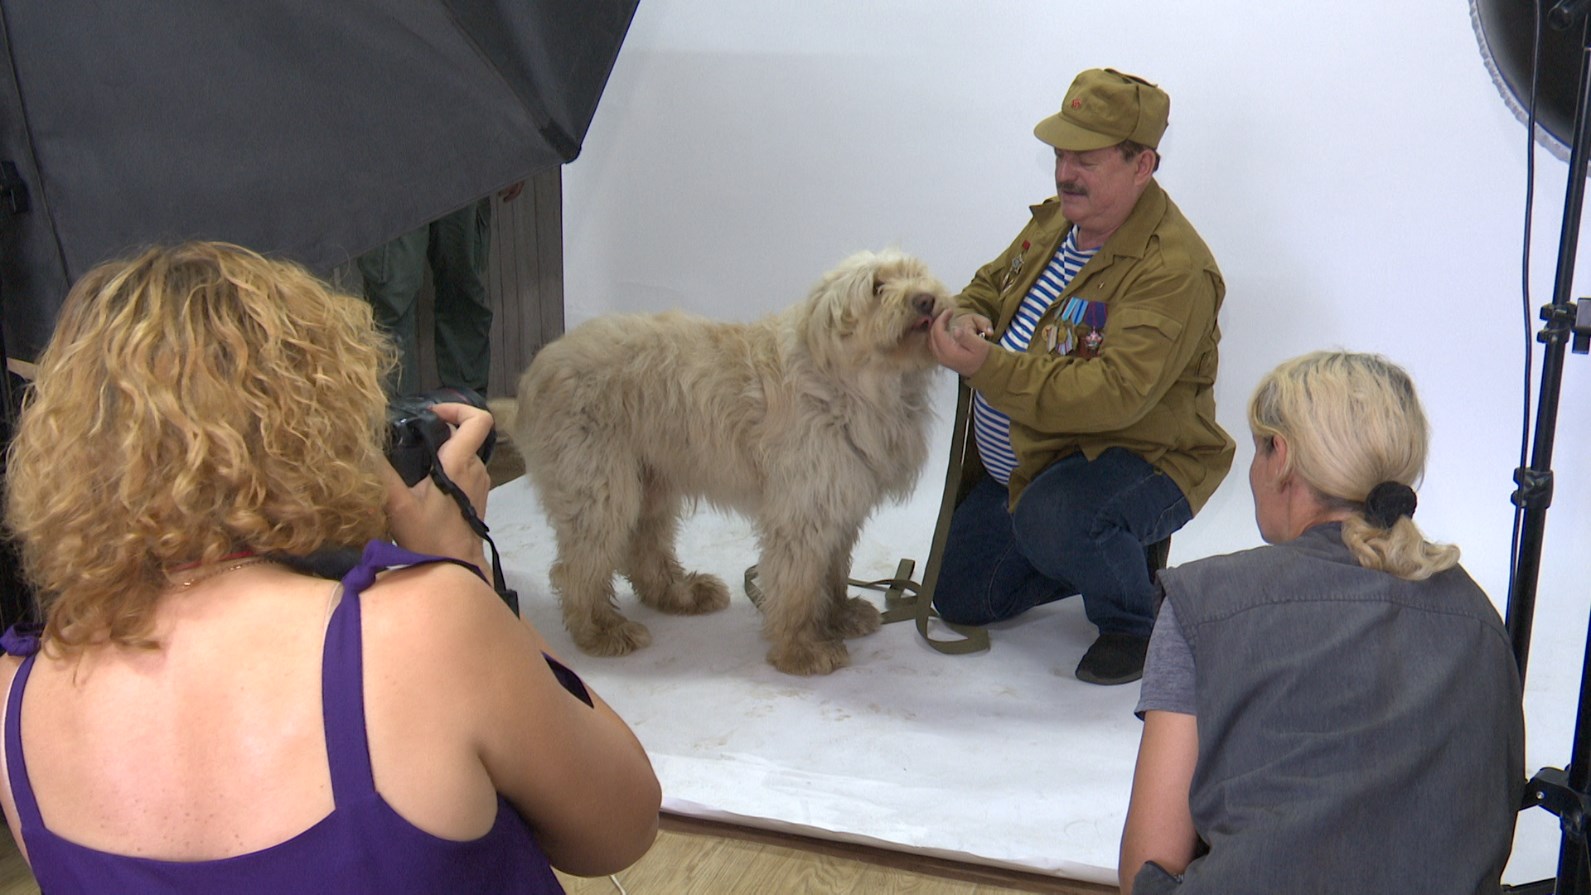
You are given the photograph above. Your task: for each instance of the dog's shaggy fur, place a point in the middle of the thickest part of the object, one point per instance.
(804, 421)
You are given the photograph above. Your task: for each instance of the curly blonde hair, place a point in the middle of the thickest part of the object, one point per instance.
(1354, 421)
(194, 402)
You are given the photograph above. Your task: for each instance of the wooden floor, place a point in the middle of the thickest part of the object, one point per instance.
(693, 857)
(14, 876)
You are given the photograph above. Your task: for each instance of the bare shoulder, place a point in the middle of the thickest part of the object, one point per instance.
(425, 588)
(451, 667)
(444, 657)
(439, 609)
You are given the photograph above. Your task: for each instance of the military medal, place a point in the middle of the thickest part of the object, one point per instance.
(1010, 274)
(1091, 343)
(1066, 343)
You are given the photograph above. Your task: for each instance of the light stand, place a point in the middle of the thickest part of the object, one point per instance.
(1564, 793)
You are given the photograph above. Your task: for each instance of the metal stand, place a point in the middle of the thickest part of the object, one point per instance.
(1564, 793)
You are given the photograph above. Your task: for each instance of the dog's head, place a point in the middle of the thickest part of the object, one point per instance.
(873, 307)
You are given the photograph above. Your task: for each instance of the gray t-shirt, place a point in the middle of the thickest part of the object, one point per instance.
(1168, 668)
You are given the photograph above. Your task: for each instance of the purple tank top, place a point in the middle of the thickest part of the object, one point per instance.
(362, 846)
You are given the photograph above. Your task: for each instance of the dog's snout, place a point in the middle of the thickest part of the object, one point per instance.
(924, 303)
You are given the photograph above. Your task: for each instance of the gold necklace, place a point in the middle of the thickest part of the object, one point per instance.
(211, 573)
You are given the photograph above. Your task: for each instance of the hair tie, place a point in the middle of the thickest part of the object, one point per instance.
(1388, 502)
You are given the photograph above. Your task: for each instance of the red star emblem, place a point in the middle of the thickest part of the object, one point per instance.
(1077, 104)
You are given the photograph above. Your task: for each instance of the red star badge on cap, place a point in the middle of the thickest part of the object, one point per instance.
(1077, 104)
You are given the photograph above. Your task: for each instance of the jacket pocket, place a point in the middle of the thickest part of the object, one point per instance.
(1130, 318)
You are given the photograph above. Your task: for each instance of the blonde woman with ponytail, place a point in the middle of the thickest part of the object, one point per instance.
(1354, 437)
(1338, 711)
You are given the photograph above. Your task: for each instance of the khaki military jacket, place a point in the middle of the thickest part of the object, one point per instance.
(1141, 379)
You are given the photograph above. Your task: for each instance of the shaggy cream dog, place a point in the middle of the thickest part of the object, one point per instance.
(804, 421)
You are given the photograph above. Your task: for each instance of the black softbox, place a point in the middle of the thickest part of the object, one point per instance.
(306, 129)
(309, 129)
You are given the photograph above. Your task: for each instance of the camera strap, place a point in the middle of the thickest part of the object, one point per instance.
(499, 584)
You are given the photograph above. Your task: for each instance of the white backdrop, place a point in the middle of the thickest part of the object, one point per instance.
(1354, 170)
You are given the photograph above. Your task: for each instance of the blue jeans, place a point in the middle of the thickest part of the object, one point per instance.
(1081, 527)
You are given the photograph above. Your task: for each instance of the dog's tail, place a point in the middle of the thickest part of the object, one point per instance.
(503, 411)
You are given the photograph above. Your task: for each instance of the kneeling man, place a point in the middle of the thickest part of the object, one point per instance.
(1090, 344)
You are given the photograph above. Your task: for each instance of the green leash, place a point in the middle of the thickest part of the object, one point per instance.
(903, 599)
(908, 599)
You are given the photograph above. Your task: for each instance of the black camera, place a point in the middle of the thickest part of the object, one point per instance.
(416, 433)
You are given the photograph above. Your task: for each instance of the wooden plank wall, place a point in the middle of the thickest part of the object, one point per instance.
(526, 277)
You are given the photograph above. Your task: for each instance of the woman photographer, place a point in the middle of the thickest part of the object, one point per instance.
(1339, 711)
(202, 717)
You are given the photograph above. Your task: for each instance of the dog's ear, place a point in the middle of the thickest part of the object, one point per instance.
(842, 297)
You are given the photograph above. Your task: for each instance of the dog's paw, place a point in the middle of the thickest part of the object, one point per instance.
(695, 594)
(619, 639)
(854, 617)
(809, 656)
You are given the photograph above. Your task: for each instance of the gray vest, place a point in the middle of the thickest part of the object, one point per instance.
(1358, 733)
